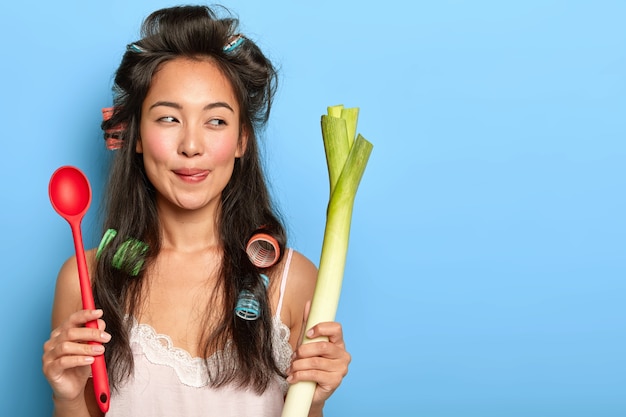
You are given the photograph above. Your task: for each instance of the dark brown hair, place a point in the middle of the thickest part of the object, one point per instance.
(194, 32)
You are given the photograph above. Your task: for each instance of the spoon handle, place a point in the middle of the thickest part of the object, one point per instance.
(98, 367)
(100, 380)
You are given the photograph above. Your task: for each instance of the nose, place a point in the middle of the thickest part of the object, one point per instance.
(191, 144)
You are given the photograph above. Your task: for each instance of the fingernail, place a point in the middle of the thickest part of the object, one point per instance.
(98, 311)
(310, 333)
(89, 359)
(105, 336)
(97, 349)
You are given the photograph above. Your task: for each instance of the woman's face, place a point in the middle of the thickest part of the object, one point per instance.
(190, 133)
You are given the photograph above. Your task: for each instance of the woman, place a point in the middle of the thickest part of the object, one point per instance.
(190, 324)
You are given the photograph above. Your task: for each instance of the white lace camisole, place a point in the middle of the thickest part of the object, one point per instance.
(168, 381)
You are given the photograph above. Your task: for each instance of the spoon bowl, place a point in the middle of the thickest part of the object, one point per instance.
(70, 192)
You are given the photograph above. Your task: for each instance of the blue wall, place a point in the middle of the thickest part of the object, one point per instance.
(486, 272)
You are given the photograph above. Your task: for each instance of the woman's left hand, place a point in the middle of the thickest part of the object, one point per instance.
(324, 362)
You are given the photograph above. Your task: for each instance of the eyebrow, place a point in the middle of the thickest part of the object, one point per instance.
(177, 106)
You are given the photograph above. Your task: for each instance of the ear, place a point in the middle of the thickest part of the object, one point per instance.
(243, 142)
(139, 146)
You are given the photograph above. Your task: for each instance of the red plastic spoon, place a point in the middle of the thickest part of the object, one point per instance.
(70, 195)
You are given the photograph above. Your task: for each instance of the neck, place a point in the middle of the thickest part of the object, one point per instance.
(188, 230)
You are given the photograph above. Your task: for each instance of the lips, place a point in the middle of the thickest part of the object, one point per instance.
(191, 174)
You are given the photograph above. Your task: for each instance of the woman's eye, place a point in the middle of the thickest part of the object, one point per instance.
(217, 122)
(167, 119)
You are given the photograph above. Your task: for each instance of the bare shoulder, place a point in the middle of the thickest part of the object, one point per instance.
(67, 297)
(302, 270)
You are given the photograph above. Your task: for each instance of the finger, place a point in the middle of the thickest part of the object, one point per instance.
(328, 381)
(81, 317)
(332, 330)
(321, 356)
(68, 348)
(76, 341)
(322, 348)
(77, 319)
(324, 371)
(72, 361)
(305, 317)
(101, 325)
(54, 369)
(68, 355)
(307, 310)
(315, 363)
(84, 335)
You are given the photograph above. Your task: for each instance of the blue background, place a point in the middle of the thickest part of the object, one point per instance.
(486, 271)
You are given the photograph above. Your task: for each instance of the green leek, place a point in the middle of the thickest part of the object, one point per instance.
(346, 157)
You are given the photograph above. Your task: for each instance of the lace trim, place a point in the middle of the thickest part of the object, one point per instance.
(192, 371)
(280, 343)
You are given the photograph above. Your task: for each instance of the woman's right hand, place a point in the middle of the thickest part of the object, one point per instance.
(68, 356)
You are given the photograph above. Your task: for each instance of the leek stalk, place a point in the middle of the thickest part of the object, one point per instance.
(346, 157)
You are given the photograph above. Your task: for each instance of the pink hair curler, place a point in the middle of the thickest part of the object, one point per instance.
(263, 250)
(112, 135)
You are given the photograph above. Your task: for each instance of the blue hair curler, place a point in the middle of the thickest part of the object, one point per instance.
(233, 43)
(248, 306)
